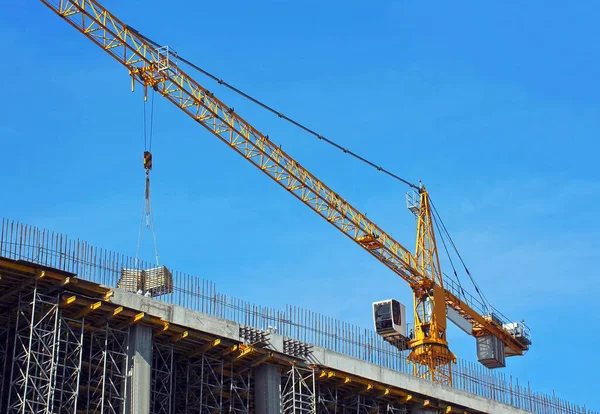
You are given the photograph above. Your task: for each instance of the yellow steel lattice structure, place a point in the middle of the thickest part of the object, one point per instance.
(157, 68)
(429, 348)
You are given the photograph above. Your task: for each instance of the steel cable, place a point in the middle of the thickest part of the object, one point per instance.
(335, 145)
(280, 114)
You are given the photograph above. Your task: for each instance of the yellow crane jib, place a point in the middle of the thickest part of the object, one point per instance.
(156, 67)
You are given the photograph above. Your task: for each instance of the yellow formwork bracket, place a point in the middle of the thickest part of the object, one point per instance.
(181, 336)
(87, 310)
(68, 301)
(161, 330)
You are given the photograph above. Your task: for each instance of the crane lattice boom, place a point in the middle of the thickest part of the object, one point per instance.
(157, 68)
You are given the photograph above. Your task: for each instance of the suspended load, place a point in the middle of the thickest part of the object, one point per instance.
(156, 281)
(149, 282)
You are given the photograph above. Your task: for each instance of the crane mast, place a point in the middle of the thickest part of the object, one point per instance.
(429, 348)
(156, 68)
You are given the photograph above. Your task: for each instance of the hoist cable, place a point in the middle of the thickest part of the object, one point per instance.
(154, 237)
(281, 115)
(151, 121)
(484, 300)
(322, 138)
(139, 240)
(147, 202)
(150, 215)
(435, 221)
(447, 234)
(145, 133)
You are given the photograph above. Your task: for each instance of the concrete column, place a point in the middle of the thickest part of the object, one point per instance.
(137, 398)
(267, 389)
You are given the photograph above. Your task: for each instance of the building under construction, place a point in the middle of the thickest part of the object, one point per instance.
(87, 330)
(71, 342)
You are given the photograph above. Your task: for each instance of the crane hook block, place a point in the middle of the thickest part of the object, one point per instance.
(147, 160)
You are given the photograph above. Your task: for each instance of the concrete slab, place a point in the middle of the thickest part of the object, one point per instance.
(321, 356)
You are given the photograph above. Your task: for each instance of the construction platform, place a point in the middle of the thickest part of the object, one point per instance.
(82, 347)
(69, 344)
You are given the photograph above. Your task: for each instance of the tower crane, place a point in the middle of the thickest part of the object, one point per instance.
(436, 299)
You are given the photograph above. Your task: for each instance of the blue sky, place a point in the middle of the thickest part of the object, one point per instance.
(494, 106)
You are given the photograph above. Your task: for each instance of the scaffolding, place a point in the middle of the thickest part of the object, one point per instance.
(205, 384)
(162, 379)
(298, 391)
(188, 385)
(47, 356)
(199, 385)
(107, 370)
(364, 404)
(68, 374)
(238, 386)
(5, 351)
(328, 401)
(212, 384)
(333, 400)
(361, 404)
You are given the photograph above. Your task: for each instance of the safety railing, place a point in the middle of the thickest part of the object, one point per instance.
(23, 242)
(454, 287)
